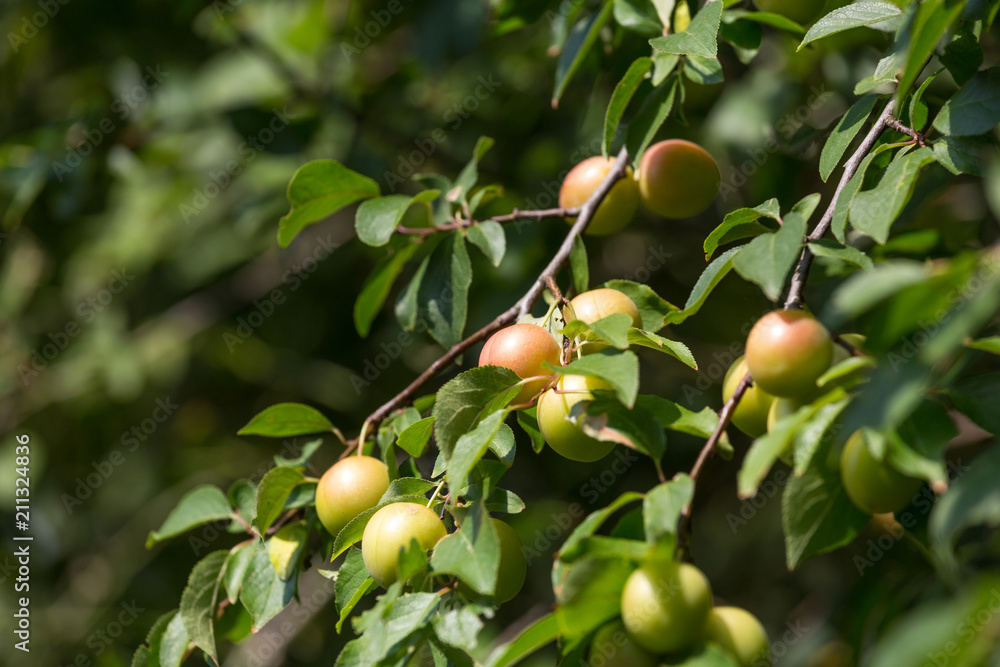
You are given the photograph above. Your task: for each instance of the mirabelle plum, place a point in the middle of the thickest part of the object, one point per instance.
(348, 488)
(750, 415)
(513, 566)
(390, 531)
(741, 634)
(787, 351)
(523, 348)
(678, 179)
(618, 208)
(665, 606)
(612, 647)
(872, 485)
(563, 436)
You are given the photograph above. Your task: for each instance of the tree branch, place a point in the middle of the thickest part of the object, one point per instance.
(794, 299)
(519, 309)
(514, 215)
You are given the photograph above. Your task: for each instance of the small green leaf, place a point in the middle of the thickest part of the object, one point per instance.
(413, 439)
(467, 398)
(767, 259)
(654, 341)
(318, 190)
(742, 224)
(932, 20)
(287, 419)
(654, 310)
(174, 643)
(834, 250)
(854, 15)
(709, 279)
(236, 568)
(536, 636)
(470, 448)
(201, 505)
(578, 266)
(264, 593)
(620, 368)
(661, 510)
(472, 553)
(489, 237)
(200, 599)
(651, 115)
(469, 176)
(272, 492)
(991, 344)
(579, 42)
(873, 211)
(352, 583)
(844, 133)
(621, 97)
(700, 38)
(285, 547)
(975, 109)
(962, 155)
(376, 288)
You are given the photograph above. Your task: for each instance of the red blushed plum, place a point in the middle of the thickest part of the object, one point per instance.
(390, 531)
(665, 606)
(787, 351)
(600, 303)
(524, 349)
(618, 208)
(678, 179)
(562, 435)
(872, 485)
(348, 488)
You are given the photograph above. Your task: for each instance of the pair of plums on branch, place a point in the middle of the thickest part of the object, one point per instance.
(786, 353)
(526, 348)
(356, 484)
(666, 608)
(676, 179)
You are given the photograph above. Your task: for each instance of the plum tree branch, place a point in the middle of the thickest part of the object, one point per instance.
(794, 299)
(519, 309)
(516, 214)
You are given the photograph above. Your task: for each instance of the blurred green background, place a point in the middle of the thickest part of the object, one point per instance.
(147, 312)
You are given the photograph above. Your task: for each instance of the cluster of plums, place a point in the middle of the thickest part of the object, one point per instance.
(676, 179)
(786, 353)
(527, 348)
(666, 608)
(357, 484)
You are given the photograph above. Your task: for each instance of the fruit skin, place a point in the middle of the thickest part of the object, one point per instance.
(751, 415)
(618, 208)
(348, 488)
(612, 647)
(523, 348)
(872, 485)
(665, 606)
(678, 179)
(513, 566)
(800, 11)
(781, 408)
(787, 351)
(597, 304)
(565, 437)
(741, 634)
(390, 531)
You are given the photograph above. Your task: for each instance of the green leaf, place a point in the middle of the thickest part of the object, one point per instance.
(376, 288)
(149, 656)
(470, 448)
(654, 341)
(767, 259)
(578, 266)
(854, 15)
(700, 38)
(663, 65)
(264, 593)
(285, 547)
(844, 133)
(833, 250)
(931, 22)
(621, 96)
(765, 18)
(963, 57)
(767, 449)
(596, 519)
(651, 115)
(579, 42)
(976, 396)
(352, 583)
(536, 636)
(413, 439)
(389, 624)
(272, 492)
(355, 529)
(174, 643)
(742, 224)
(489, 237)
(918, 108)
(459, 628)
(472, 553)
(703, 71)
(638, 16)
(601, 547)
(377, 219)
(816, 513)
(991, 344)
(287, 419)
(528, 420)
(811, 435)
(961, 155)
(975, 109)
(468, 397)
(200, 599)
(972, 500)
(443, 293)
(874, 211)
(842, 210)
(709, 279)
(236, 568)
(661, 510)
(318, 190)
(613, 329)
(863, 291)
(588, 594)
(678, 418)
(654, 310)
(608, 420)
(469, 176)
(503, 445)
(201, 505)
(620, 368)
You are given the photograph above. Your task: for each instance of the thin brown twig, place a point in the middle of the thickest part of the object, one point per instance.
(519, 309)
(516, 214)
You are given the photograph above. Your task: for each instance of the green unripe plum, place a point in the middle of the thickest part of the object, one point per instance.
(390, 531)
(523, 348)
(618, 208)
(787, 351)
(750, 415)
(781, 408)
(741, 634)
(872, 485)
(612, 647)
(678, 179)
(348, 488)
(665, 606)
(563, 436)
(800, 11)
(513, 566)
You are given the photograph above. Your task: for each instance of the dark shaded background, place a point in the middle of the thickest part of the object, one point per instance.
(105, 171)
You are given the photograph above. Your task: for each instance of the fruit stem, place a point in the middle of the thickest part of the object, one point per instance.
(434, 496)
